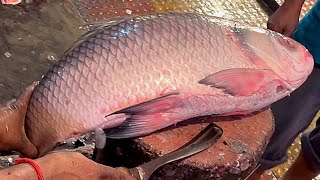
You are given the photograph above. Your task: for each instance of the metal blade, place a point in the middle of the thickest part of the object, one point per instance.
(205, 139)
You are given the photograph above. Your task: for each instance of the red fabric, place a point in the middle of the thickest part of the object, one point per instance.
(33, 164)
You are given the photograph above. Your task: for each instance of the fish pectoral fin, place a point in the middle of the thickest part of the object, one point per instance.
(240, 81)
(145, 117)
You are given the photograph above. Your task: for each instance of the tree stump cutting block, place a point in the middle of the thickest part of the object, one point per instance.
(234, 156)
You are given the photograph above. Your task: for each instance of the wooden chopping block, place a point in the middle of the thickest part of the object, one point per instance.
(234, 155)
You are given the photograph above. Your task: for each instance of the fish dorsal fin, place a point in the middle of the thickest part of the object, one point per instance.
(105, 23)
(240, 81)
(101, 25)
(95, 28)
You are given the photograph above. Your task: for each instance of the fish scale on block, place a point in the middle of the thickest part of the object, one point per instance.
(155, 71)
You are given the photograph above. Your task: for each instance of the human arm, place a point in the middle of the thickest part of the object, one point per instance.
(285, 19)
(65, 165)
(12, 119)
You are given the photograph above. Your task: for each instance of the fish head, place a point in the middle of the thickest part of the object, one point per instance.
(287, 58)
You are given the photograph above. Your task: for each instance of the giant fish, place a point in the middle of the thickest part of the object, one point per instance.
(141, 74)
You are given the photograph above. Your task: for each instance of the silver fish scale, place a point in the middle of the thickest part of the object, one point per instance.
(125, 64)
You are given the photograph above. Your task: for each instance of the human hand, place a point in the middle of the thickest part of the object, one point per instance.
(285, 19)
(65, 165)
(12, 120)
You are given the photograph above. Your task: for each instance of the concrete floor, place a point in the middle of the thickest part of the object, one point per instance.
(31, 40)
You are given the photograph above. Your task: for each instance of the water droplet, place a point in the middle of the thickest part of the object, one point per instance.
(235, 170)
(51, 58)
(128, 11)
(28, 1)
(24, 68)
(244, 166)
(7, 54)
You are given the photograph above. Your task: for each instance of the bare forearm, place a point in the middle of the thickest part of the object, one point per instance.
(20, 171)
(51, 168)
(64, 165)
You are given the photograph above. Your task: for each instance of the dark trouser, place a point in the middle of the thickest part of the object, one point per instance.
(293, 115)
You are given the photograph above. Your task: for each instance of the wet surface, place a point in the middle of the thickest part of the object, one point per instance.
(248, 11)
(31, 40)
